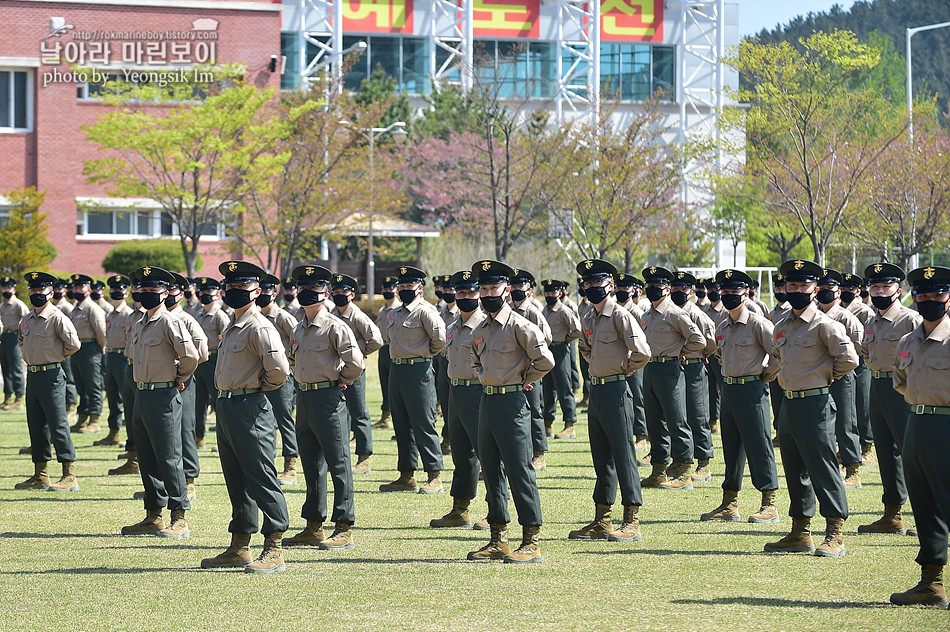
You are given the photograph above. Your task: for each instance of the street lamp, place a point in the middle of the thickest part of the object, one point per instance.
(910, 85)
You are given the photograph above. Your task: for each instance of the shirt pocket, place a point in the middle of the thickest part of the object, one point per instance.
(807, 342)
(745, 348)
(319, 345)
(152, 340)
(942, 364)
(504, 346)
(237, 346)
(662, 327)
(607, 337)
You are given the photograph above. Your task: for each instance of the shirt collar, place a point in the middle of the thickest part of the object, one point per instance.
(158, 312)
(810, 313)
(892, 310)
(246, 317)
(941, 332)
(46, 312)
(503, 315)
(665, 306)
(415, 304)
(743, 319)
(608, 309)
(318, 318)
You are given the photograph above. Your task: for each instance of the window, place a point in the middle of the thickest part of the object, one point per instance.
(290, 48)
(516, 69)
(16, 99)
(132, 224)
(635, 72)
(405, 59)
(167, 81)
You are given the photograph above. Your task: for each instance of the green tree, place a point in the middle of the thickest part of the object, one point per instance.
(450, 110)
(382, 88)
(127, 256)
(23, 242)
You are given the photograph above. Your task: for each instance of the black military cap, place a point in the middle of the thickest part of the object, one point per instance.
(755, 284)
(207, 283)
(883, 272)
(79, 279)
(851, 281)
(408, 274)
(929, 279)
(346, 282)
(288, 283)
(7, 281)
(551, 285)
(594, 269)
(59, 283)
(830, 277)
(181, 281)
(311, 275)
(683, 279)
(150, 276)
(464, 280)
(733, 280)
(39, 279)
(269, 282)
(523, 276)
(712, 284)
(389, 282)
(655, 274)
(622, 279)
(119, 281)
(241, 272)
(97, 285)
(489, 271)
(778, 280)
(801, 270)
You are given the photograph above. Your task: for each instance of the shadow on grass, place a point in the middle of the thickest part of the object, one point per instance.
(773, 602)
(47, 536)
(368, 560)
(666, 552)
(63, 497)
(104, 571)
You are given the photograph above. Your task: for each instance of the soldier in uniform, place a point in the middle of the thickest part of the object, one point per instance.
(47, 337)
(213, 321)
(923, 357)
(565, 329)
(889, 409)
(615, 347)
(96, 291)
(670, 333)
(754, 297)
(90, 323)
(814, 350)
(464, 400)
(383, 360)
(523, 304)
(368, 338)
(416, 333)
(744, 341)
(12, 311)
(583, 307)
(626, 287)
(289, 289)
(850, 290)
(282, 399)
(716, 313)
(510, 355)
(192, 303)
(163, 358)
(327, 360)
(114, 360)
(60, 301)
(448, 311)
(251, 361)
(129, 389)
(780, 311)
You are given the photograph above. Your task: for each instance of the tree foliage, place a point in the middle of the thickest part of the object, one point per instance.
(130, 255)
(23, 242)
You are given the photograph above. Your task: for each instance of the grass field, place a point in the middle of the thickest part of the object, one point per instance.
(65, 566)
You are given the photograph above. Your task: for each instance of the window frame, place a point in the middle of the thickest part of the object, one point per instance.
(30, 87)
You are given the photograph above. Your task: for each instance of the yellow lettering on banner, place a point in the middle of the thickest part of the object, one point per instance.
(628, 7)
(383, 10)
(499, 16)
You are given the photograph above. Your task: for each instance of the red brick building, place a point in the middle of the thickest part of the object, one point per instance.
(43, 103)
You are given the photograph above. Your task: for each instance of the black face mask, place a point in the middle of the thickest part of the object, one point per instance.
(622, 296)
(550, 300)
(700, 294)
(389, 295)
(865, 293)
(798, 300)
(39, 300)
(518, 295)
(654, 293)
(847, 296)
(448, 297)
(57, 296)
(309, 297)
(595, 294)
(493, 303)
(264, 300)
(714, 296)
(407, 296)
(95, 296)
(117, 295)
(236, 298)
(70, 295)
(882, 302)
(206, 299)
(8, 295)
(137, 297)
(467, 304)
(188, 294)
(931, 311)
(289, 298)
(582, 293)
(341, 300)
(732, 301)
(826, 296)
(171, 301)
(438, 293)
(150, 300)
(780, 297)
(679, 298)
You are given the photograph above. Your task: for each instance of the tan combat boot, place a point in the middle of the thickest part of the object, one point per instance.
(81, 422)
(538, 462)
(150, 525)
(109, 440)
(678, 477)
(767, 513)
(405, 483)
(567, 433)
(530, 549)
(497, 547)
(446, 445)
(457, 517)
(728, 509)
(39, 480)
(384, 422)
(17, 403)
(629, 531)
(68, 482)
(312, 534)
(192, 493)
(852, 476)
(237, 555)
(362, 464)
(26, 450)
(599, 529)
(714, 426)
(641, 445)
(481, 525)
(549, 429)
(271, 559)
(702, 473)
(928, 592)
(890, 522)
(797, 541)
(200, 443)
(867, 453)
(341, 538)
(433, 483)
(658, 476)
(7, 401)
(70, 411)
(289, 475)
(92, 425)
(131, 466)
(833, 546)
(177, 527)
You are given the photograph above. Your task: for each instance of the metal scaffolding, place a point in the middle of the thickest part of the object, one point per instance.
(325, 34)
(452, 33)
(578, 59)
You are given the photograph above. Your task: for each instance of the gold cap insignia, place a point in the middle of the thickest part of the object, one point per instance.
(847, 276)
(929, 273)
(339, 278)
(652, 269)
(680, 275)
(35, 275)
(232, 266)
(308, 271)
(402, 270)
(467, 274)
(486, 266)
(588, 264)
(878, 267)
(728, 274)
(146, 271)
(799, 264)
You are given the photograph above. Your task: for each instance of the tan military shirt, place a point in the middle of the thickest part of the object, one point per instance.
(744, 346)
(116, 323)
(325, 349)
(851, 324)
(762, 306)
(106, 307)
(368, 336)
(162, 349)
(415, 330)
(529, 309)
(295, 309)
(63, 305)
(282, 321)
(565, 324)
(813, 349)
(756, 307)
(458, 345)
(198, 336)
(644, 303)
(213, 322)
(612, 341)
(48, 336)
(716, 312)
(89, 321)
(779, 312)
(923, 366)
(12, 312)
(633, 308)
(448, 311)
(571, 305)
(130, 319)
(382, 319)
(251, 355)
(706, 327)
(859, 309)
(508, 349)
(884, 331)
(192, 305)
(670, 332)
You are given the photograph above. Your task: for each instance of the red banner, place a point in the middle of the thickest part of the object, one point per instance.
(377, 16)
(507, 18)
(631, 20)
